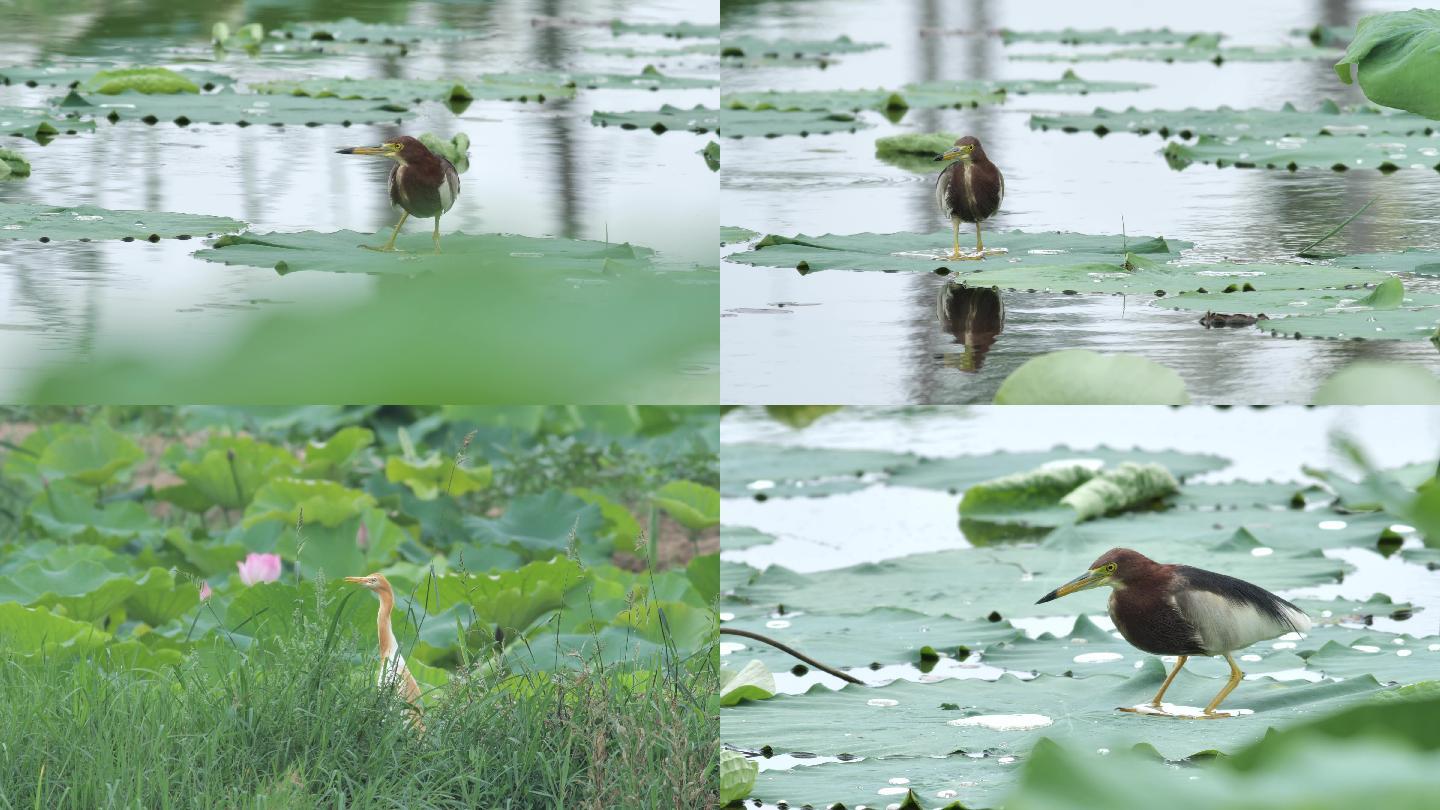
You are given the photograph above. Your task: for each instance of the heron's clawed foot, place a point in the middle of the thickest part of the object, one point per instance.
(381, 249)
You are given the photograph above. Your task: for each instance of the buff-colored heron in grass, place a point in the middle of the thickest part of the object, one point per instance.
(394, 674)
(421, 182)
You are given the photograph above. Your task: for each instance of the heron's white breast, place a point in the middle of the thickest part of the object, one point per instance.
(392, 668)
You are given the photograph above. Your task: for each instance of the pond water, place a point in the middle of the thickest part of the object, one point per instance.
(868, 337)
(536, 169)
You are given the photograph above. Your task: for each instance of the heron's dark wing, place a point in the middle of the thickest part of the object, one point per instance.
(397, 194)
(451, 187)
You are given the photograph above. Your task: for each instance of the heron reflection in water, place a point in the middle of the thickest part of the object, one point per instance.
(975, 316)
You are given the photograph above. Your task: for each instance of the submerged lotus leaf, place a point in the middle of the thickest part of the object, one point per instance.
(229, 107)
(1363, 324)
(39, 124)
(959, 473)
(914, 719)
(352, 30)
(1368, 382)
(750, 51)
(50, 223)
(730, 234)
(1083, 377)
(882, 635)
(340, 252)
(775, 123)
(1109, 36)
(778, 472)
(398, 90)
(649, 78)
(892, 252)
(63, 75)
(1396, 57)
(1387, 153)
(681, 30)
(698, 119)
(1087, 650)
(1327, 118)
(114, 81)
(1200, 50)
(976, 582)
(1292, 302)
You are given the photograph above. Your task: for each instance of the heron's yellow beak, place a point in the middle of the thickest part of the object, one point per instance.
(1093, 578)
(955, 152)
(383, 150)
(355, 580)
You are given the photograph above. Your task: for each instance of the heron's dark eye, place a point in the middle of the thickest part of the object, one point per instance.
(1110, 569)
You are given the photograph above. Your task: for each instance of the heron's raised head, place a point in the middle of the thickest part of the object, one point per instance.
(1115, 568)
(374, 582)
(401, 149)
(965, 150)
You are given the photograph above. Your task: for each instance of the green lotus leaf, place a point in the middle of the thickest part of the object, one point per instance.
(400, 91)
(737, 538)
(734, 575)
(39, 124)
(91, 454)
(541, 525)
(914, 151)
(730, 234)
(774, 123)
(774, 471)
(352, 30)
(685, 627)
(1389, 294)
(649, 78)
(513, 600)
(229, 107)
(711, 153)
(737, 776)
(341, 549)
(1386, 154)
(36, 630)
(694, 506)
(54, 223)
(1126, 487)
(13, 164)
(1395, 56)
(962, 472)
(83, 589)
(752, 682)
(328, 458)
(753, 51)
(1199, 50)
(657, 52)
(341, 252)
(882, 635)
(1109, 36)
(681, 30)
(696, 119)
(1355, 610)
(1362, 324)
(1287, 123)
(1232, 494)
(160, 596)
(621, 527)
(434, 475)
(1083, 377)
(1240, 529)
(147, 80)
(1367, 382)
(227, 472)
(70, 75)
(68, 512)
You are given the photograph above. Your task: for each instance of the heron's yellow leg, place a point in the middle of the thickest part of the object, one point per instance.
(1235, 676)
(389, 246)
(437, 234)
(1176, 671)
(979, 243)
(955, 224)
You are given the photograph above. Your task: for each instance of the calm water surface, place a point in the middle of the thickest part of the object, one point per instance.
(875, 338)
(535, 169)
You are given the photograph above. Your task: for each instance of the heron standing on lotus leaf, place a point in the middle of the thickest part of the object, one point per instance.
(421, 182)
(970, 189)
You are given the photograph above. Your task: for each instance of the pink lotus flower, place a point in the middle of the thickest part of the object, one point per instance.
(259, 568)
(205, 591)
(362, 537)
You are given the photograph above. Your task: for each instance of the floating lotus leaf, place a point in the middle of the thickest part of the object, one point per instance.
(733, 575)
(229, 107)
(1395, 57)
(881, 781)
(891, 252)
(1387, 154)
(696, 119)
(1420, 262)
(777, 472)
(774, 123)
(1110, 36)
(752, 682)
(40, 125)
(883, 635)
(959, 473)
(730, 234)
(13, 164)
(711, 153)
(913, 719)
(115, 81)
(455, 149)
(1231, 494)
(736, 538)
(1147, 277)
(308, 48)
(72, 74)
(635, 51)
(1083, 377)
(681, 30)
(1200, 51)
(1365, 324)
(1326, 119)
(914, 151)
(1337, 36)
(782, 52)
(649, 78)
(1236, 529)
(397, 90)
(1288, 302)
(1087, 650)
(737, 776)
(50, 223)
(352, 30)
(340, 252)
(1380, 383)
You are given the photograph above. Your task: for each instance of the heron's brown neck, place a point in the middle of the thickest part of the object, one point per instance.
(382, 623)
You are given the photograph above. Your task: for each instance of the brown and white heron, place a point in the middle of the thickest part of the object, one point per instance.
(421, 182)
(1183, 611)
(393, 672)
(970, 189)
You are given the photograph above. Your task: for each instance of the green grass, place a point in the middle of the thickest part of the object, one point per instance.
(301, 724)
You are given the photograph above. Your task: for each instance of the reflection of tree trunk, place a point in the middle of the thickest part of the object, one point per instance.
(975, 316)
(553, 47)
